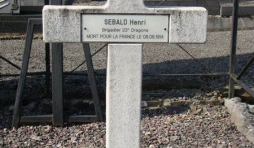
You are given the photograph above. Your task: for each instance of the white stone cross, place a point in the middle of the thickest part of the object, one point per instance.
(124, 65)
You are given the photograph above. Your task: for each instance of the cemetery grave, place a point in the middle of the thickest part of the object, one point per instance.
(156, 60)
(116, 22)
(171, 116)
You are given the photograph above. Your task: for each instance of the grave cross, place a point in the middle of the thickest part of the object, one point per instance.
(121, 21)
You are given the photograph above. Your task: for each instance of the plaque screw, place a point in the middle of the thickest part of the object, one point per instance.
(84, 28)
(165, 29)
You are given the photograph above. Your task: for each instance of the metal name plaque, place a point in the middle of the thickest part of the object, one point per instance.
(125, 28)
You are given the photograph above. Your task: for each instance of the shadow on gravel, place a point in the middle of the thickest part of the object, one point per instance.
(172, 110)
(77, 99)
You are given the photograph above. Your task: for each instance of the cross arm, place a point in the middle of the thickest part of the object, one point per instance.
(63, 23)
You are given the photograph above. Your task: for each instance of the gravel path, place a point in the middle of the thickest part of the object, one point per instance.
(160, 128)
(158, 58)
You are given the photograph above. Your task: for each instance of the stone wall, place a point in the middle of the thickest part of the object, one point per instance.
(213, 6)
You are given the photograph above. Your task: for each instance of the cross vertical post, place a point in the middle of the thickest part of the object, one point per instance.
(123, 96)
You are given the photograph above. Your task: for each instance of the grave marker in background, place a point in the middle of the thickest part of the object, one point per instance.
(124, 21)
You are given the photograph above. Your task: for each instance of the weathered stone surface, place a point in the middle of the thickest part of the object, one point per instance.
(241, 117)
(63, 23)
(184, 24)
(229, 103)
(123, 95)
